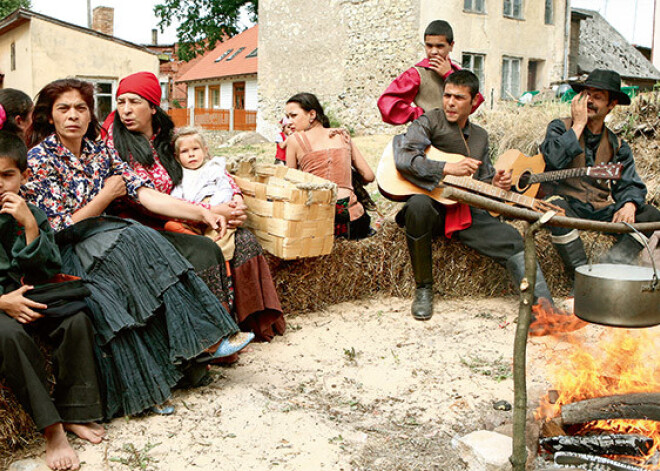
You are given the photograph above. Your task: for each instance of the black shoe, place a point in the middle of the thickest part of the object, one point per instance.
(422, 305)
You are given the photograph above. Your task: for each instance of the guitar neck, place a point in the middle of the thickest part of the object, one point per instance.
(477, 186)
(558, 175)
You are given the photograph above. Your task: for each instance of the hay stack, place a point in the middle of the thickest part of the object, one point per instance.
(380, 265)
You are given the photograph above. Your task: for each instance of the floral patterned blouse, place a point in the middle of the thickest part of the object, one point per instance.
(157, 174)
(61, 183)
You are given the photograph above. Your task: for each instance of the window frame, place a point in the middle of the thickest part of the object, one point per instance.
(472, 8)
(551, 19)
(512, 14)
(482, 74)
(506, 89)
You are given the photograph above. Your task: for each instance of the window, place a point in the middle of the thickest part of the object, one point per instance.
(474, 6)
(200, 97)
(510, 78)
(475, 62)
(224, 54)
(238, 51)
(549, 12)
(252, 54)
(13, 56)
(214, 96)
(513, 8)
(103, 96)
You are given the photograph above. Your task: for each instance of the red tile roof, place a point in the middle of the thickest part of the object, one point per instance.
(234, 62)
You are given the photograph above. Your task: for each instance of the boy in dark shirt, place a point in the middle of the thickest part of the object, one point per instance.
(29, 255)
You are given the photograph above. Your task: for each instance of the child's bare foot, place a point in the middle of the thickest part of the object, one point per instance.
(92, 432)
(59, 454)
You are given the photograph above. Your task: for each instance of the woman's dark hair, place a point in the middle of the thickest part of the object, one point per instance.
(309, 102)
(13, 147)
(134, 144)
(15, 103)
(43, 108)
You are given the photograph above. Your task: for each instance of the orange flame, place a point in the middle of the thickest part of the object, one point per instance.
(551, 320)
(622, 362)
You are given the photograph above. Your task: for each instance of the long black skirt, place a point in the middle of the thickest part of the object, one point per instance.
(150, 311)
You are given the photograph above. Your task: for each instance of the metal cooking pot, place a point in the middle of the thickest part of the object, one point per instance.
(617, 295)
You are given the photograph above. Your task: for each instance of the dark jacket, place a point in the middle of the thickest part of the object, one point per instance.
(561, 149)
(432, 128)
(36, 262)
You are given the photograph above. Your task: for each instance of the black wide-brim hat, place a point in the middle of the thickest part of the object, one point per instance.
(603, 80)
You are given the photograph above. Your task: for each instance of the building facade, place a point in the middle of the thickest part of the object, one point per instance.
(36, 49)
(347, 52)
(222, 86)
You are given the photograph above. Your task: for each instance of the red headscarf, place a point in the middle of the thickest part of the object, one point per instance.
(144, 84)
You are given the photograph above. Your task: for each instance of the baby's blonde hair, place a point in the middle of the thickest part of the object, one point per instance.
(189, 131)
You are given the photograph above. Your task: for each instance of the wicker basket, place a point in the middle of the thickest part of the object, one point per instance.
(291, 212)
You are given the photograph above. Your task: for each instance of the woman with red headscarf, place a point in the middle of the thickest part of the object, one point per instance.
(141, 132)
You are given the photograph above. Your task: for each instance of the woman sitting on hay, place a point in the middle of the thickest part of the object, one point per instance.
(328, 153)
(141, 132)
(156, 322)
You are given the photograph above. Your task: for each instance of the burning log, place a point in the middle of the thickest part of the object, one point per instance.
(569, 458)
(614, 444)
(625, 406)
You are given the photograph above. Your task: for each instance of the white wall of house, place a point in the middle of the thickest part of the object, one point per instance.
(251, 94)
(226, 92)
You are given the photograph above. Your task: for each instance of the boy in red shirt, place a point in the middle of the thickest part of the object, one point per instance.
(424, 83)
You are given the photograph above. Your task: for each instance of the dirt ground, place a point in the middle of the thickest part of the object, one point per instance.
(359, 386)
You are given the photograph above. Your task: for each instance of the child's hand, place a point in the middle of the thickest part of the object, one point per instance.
(16, 206)
(19, 307)
(215, 221)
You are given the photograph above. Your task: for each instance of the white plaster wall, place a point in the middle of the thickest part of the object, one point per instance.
(251, 95)
(226, 94)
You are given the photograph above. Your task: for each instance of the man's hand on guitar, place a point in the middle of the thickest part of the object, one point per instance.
(626, 213)
(503, 180)
(462, 168)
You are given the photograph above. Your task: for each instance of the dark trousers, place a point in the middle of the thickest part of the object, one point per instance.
(578, 209)
(76, 398)
(487, 234)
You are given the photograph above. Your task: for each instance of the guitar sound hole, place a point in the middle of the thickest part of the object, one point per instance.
(523, 180)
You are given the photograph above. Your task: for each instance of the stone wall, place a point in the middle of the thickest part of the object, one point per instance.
(346, 52)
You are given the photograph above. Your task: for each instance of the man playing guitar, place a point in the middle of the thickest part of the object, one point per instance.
(450, 131)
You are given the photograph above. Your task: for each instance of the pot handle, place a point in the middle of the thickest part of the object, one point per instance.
(654, 282)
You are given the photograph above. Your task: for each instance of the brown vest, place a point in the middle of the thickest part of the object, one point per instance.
(586, 189)
(431, 89)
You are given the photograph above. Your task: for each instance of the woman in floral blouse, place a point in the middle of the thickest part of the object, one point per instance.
(153, 316)
(141, 132)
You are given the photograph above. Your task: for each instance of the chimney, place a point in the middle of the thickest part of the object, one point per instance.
(154, 37)
(103, 20)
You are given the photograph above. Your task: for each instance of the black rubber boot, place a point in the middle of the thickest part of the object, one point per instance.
(422, 265)
(625, 251)
(515, 265)
(572, 254)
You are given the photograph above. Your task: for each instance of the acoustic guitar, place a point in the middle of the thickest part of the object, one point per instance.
(527, 173)
(395, 187)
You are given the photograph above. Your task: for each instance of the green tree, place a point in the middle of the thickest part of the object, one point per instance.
(203, 22)
(8, 6)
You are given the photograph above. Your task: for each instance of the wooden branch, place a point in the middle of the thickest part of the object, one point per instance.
(528, 215)
(610, 444)
(626, 406)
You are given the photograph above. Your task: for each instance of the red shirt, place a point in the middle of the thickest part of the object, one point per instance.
(395, 104)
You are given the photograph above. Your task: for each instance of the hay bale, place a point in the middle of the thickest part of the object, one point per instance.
(381, 265)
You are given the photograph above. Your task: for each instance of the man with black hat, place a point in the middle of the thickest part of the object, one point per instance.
(583, 140)
(419, 88)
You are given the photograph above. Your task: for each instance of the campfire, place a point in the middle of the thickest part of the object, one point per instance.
(605, 405)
